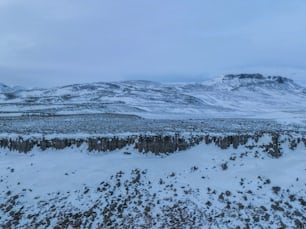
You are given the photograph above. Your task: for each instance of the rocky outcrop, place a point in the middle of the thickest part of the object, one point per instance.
(273, 148)
(224, 142)
(109, 144)
(158, 144)
(155, 144)
(244, 76)
(164, 144)
(276, 79)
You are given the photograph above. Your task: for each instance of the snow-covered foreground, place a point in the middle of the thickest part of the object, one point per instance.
(203, 187)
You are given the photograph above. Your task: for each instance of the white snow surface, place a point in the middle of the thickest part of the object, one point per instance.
(193, 175)
(231, 96)
(44, 171)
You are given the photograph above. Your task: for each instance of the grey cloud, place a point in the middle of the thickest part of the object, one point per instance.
(57, 42)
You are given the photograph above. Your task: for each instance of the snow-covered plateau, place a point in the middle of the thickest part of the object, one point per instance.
(228, 153)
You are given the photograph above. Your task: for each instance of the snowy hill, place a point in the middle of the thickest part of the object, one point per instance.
(236, 82)
(140, 154)
(244, 95)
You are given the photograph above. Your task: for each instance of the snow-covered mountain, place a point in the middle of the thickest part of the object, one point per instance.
(123, 171)
(244, 95)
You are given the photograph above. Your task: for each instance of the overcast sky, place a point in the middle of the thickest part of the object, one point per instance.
(55, 42)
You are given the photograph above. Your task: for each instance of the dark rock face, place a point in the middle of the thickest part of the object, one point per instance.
(227, 141)
(109, 144)
(279, 79)
(157, 144)
(276, 79)
(273, 148)
(166, 144)
(244, 76)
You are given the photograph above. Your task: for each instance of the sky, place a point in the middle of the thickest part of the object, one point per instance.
(57, 42)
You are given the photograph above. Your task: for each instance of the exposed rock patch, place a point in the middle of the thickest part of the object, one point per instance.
(158, 144)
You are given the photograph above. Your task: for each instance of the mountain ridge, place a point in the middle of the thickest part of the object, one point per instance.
(241, 95)
(228, 77)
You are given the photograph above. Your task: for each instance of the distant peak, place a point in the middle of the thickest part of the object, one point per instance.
(4, 88)
(3, 85)
(257, 77)
(256, 81)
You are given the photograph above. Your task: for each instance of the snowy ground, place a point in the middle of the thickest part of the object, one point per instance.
(110, 124)
(202, 187)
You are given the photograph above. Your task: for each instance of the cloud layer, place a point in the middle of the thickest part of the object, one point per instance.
(55, 42)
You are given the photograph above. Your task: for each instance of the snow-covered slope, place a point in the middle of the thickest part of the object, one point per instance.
(253, 96)
(244, 95)
(203, 187)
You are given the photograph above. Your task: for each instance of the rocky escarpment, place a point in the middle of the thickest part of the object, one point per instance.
(260, 77)
(270, 143)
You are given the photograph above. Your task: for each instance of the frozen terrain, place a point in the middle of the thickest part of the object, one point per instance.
(203, 187)
(228, 153)
(232, 96)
